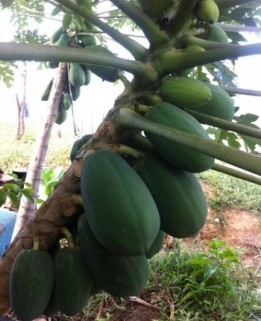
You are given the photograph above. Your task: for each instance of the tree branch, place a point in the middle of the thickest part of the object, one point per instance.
(224, 124)
(242, 91)
(29, 52)
(136, 49)
(250, 162)
(172, 61)
(154, 34)
(237, 173)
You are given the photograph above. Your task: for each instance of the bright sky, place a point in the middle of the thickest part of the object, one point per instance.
(98, 97)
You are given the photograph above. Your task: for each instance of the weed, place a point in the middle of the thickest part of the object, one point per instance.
(203, 284)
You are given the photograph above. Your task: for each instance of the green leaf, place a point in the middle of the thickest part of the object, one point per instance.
(67, 20)
(56, 10)
(28, 193)
(247, 119)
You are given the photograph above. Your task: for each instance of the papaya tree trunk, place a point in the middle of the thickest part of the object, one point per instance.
(28, 207)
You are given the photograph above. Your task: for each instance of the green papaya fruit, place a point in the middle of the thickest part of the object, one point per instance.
(178, 155)
(207, 11)
(77, 145)
(57, 34)
(73, 281)
(47, 91)
(110, 74)
(215, 33)
(76, 75)
(184, 91)
(86, 40)
(63, 40)
(75, 92)
(126, 222)
(61, 114)
(179, 197)
(67, 102)
(221, 105)
(31, 283)
(120, 276)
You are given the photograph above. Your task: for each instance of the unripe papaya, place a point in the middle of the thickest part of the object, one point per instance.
(61, 114)
(184, 91)
(110, 74)
(207, 11)
(86, 40)
(221, 105)
(57, 34)
(77, 145)
(31, 283)
(47, 91)
(63, 40)
(66, 101)
(118, 205)
(179, 197)
(76, 75)
(156, 245)
(178, 155)
(73, 281)
(118, 275)
(215, 33)
(75, 91)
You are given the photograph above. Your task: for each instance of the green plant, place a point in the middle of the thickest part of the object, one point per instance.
(14, 192)
(204, 283)
(49, 178)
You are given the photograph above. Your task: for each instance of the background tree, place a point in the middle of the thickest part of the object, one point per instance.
(181, 46)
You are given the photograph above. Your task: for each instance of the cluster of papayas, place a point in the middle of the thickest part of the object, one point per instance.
(45, 284)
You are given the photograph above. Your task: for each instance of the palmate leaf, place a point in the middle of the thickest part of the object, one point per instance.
(7, 72)
(235, 140)
(247, 119)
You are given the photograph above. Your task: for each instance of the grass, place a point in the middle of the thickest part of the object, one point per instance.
(230, 192)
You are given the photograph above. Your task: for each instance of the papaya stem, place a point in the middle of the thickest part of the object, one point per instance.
(136, 49)
(172, 61)
(180, 19)
(152, 31)
(187, 40)
(250, 162)
(67, 234)
(28, 52)
(127, 150)
(237, 173)
(36, 244)
(225, 124)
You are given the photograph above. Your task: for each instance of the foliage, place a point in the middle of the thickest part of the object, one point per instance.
(49, 178)
(204, 284)
(14, 192)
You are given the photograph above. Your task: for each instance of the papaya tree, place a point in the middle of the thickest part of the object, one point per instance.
(134, 179)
